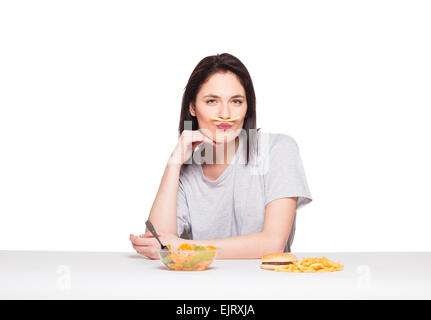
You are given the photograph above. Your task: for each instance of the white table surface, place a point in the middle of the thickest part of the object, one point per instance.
(127, 275)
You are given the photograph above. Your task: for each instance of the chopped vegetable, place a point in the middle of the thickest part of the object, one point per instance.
(188, 257)
(186, 246)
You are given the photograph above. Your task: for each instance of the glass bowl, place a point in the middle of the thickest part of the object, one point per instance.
(188, 260)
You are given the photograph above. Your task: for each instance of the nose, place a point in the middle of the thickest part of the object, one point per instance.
(225, 112)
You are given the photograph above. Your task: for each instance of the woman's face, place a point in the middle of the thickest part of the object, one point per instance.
(221, 96)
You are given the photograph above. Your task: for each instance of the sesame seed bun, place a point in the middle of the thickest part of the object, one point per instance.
(279, 257)
(274, 260)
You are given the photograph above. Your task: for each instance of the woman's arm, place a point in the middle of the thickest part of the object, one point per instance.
(163, 214)
(279, 215)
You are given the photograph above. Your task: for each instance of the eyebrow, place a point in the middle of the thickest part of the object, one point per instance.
(214, 96)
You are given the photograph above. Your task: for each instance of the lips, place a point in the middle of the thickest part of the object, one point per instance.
(224, 126)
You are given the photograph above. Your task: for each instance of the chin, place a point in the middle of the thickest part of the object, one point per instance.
(225, 137)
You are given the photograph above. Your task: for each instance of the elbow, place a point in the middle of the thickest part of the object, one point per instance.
(274, 244)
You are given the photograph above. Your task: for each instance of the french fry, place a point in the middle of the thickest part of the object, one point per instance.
(224, 120)
(311, 265)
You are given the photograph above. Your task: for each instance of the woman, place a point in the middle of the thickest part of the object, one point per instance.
(226, 183)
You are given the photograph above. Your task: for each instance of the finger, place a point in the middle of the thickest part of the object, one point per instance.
(149, 252)
(208, 140)
(132, 237)
(204, 137)
(148, 234)
(195, 138)
(203, 140)
(144, 251)
(195, 145)
(199, 136)
(192, 141)
(146, 241)
(137, 247)
(140, 247)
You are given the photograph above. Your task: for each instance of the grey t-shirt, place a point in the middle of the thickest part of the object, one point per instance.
(234, 204)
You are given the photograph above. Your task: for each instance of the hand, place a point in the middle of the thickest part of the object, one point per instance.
(187, 143)
(147, 245)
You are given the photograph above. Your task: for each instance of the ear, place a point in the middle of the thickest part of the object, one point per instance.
(192, 109)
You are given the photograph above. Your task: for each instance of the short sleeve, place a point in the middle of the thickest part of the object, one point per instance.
(285, 175)
(183, 221)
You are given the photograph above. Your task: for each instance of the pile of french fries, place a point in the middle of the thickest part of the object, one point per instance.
(310, 265)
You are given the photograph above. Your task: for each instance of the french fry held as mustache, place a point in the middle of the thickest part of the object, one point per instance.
(224, 120)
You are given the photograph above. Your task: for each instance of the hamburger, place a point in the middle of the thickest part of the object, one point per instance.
(274, 260)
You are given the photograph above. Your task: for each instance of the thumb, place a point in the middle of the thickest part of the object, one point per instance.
(148, 234)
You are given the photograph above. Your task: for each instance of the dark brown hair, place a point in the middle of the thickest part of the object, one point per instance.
(207, 67)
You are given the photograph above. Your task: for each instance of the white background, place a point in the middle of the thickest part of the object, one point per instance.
(90, 95)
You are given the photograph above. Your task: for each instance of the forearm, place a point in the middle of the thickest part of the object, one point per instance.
(249, 246)
(163, 214)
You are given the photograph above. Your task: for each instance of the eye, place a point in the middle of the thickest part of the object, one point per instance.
(208, 101)
(239, 101)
